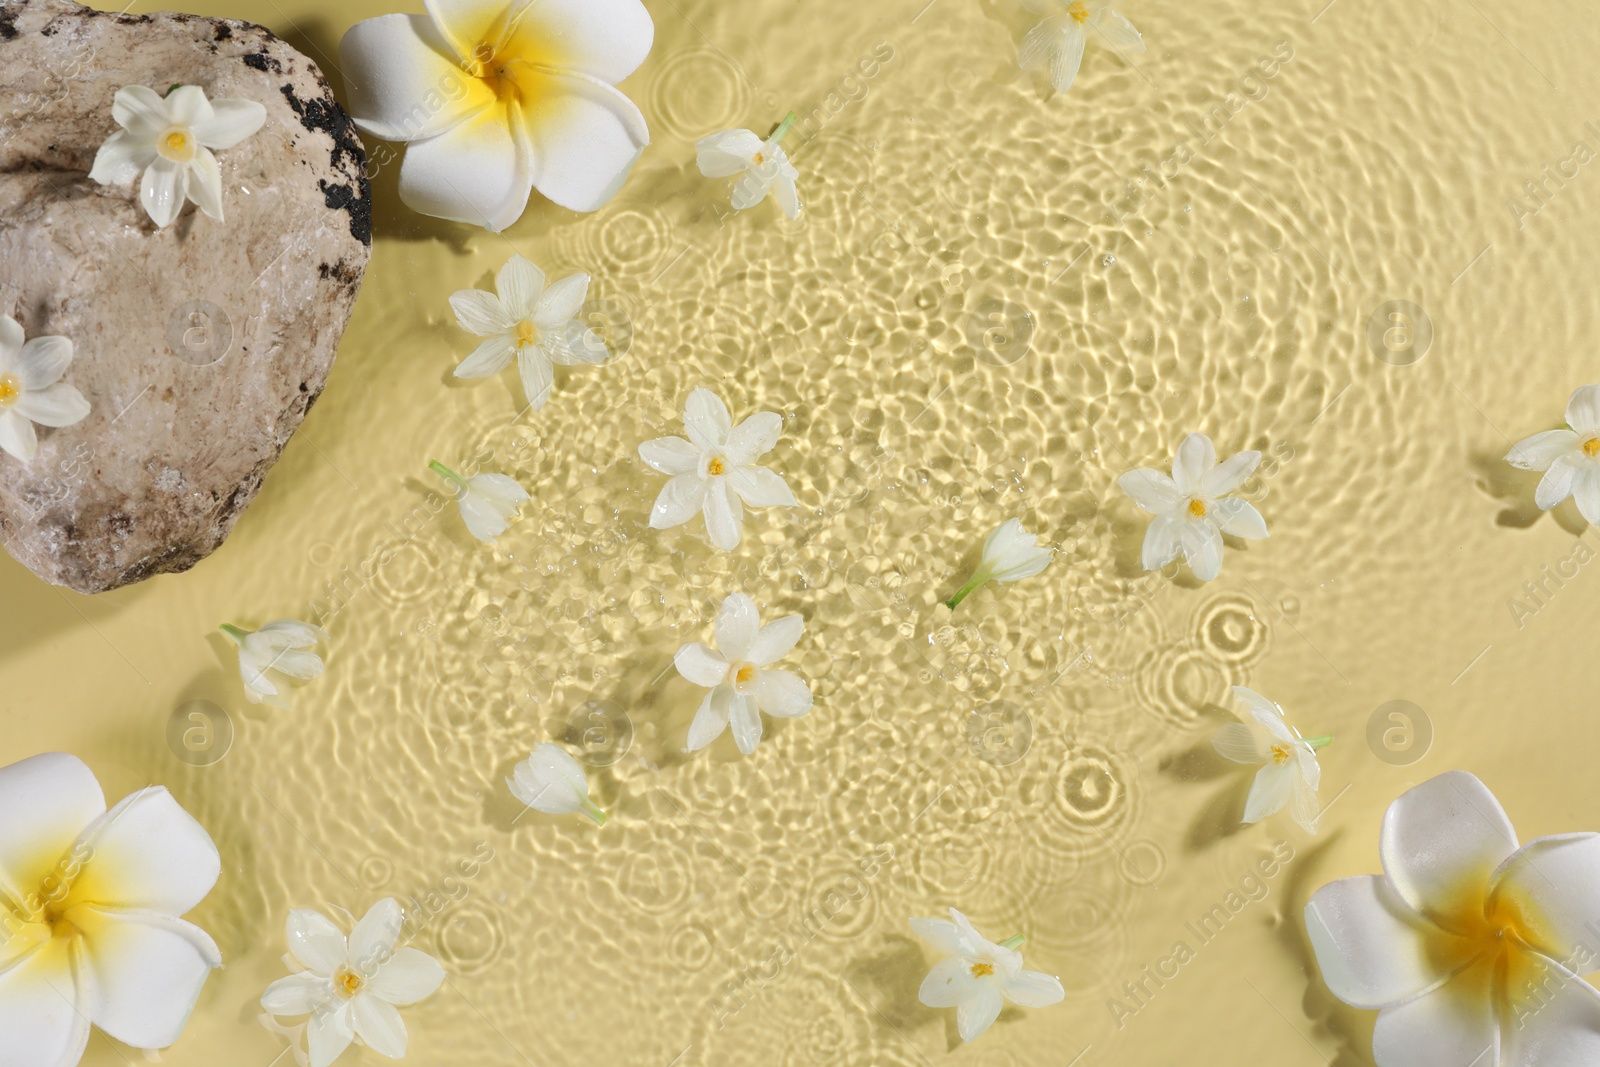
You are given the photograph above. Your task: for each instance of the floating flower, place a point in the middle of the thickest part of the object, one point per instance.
(497, 98)
(31, 389)
(535, 324)
(1469, 947)
(978, 976)
(90, 905)
(1192, 508)
(551, 781)
(1289, 775)
(715, 469)
(352, 989)
(1009, 555)
(278, 651)
(488, 502)
(762, 166)
(170, 140)
(1570, 458)
(1058, 41)
(739, 675)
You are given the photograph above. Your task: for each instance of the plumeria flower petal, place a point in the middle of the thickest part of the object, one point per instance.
(1192, 508)
(978, 976)
(1290, 775)
(496, 98)
(488, 502)
(278, 651)
(1570, 458)
(1057, 43)
(529, 323)
(1464, 945)
(739, 674)
(169, 141)
(352, 987)
(551, 781)
(714, 472)
(93, 928)
(31, 389)
(1010, 554)
(761, 167)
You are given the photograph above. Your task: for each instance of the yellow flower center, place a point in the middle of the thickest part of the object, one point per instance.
(745, 674)
(348, 983)
(1591, 447)
(176, 145)
(716, 466)
(10, 389)
(982, 970)
(527, 333)
(1280, 753)
(1079, 11)
(760, 158)
(1197, 508)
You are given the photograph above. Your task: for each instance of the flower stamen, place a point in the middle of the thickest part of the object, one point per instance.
(348, 983)
(176, 145)
(10, 389)
(982, 970)
(716, 466)
(1197, 508)
(1591, 447)
(527, 333)
(1079, 11)
(745, 674)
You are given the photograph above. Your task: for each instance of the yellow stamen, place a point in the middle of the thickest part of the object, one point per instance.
(1079, 11)
(760, 158)
(10, 389)
(982, 970)
(348, 982)
(527, 333)
(1197, 508)
(716, 466)
(1280, 753)
(1591, 447)
(745, 674)
(176, 145)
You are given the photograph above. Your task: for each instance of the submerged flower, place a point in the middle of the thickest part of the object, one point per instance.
(1058, 41)
(715, 469)
(1470, 948)
(500, 97)
(1192, 508)
(1570, 458)
(523, 318)
(488, 502)
(1010, 554)
(171, 139)
(551, 781)
(90, 901)
(978, 976)
(762, 166)
(31, 389)
(352, 989)
(740, 677)
(1289, 775)
(277, 651)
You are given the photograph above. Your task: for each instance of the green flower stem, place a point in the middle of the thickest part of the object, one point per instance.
(977, 579)
(447, 474)
(1013, 942)
(233, 631)
(1319, 742)
(593, 811)
(783, 128)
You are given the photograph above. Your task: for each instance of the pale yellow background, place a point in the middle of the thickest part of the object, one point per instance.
(1377, 164)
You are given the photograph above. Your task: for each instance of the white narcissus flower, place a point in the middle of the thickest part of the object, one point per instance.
(1009, 555)
(92, 899)
(488, 502)
(1570, 458)
(978, 976)
(524, 319)
(496, 98)
(31, 389)
(762, 167)
(277, 651)
(715, 469)
(1470, 948)
(1290, 775)
(1192, 508)
(740, 677)
(1058, 41)
(551, 781)
(170, 140)
(352, 989)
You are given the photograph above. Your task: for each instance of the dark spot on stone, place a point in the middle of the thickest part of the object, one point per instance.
(121, 524)
(224, 31)
(326, 115)
(8, 25)
(341, 272)
(263, 62)
(359, 204)
(133, 20)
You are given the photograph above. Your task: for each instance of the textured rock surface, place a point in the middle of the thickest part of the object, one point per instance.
(200, 347)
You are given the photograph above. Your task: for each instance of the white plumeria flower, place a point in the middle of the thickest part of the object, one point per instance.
(1570, 458)
(1290, 775)
(978, 976)
(488, 502)
(277, 651)
(762, 166)
(90, 903)
(1057, 43)
(740, 677)
(551, 781)
(170, 140)
(1470, 947)
(352, 989)
(31, 389)
(1192, 508)
(537, 325)
(715, 469)
(497, 98)
(1009, 555)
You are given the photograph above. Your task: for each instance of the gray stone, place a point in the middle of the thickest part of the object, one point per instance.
(200, 347)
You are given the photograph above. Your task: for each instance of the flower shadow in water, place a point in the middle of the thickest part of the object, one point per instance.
(1217, 819)
(1351, 1026)
(1514, 489)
